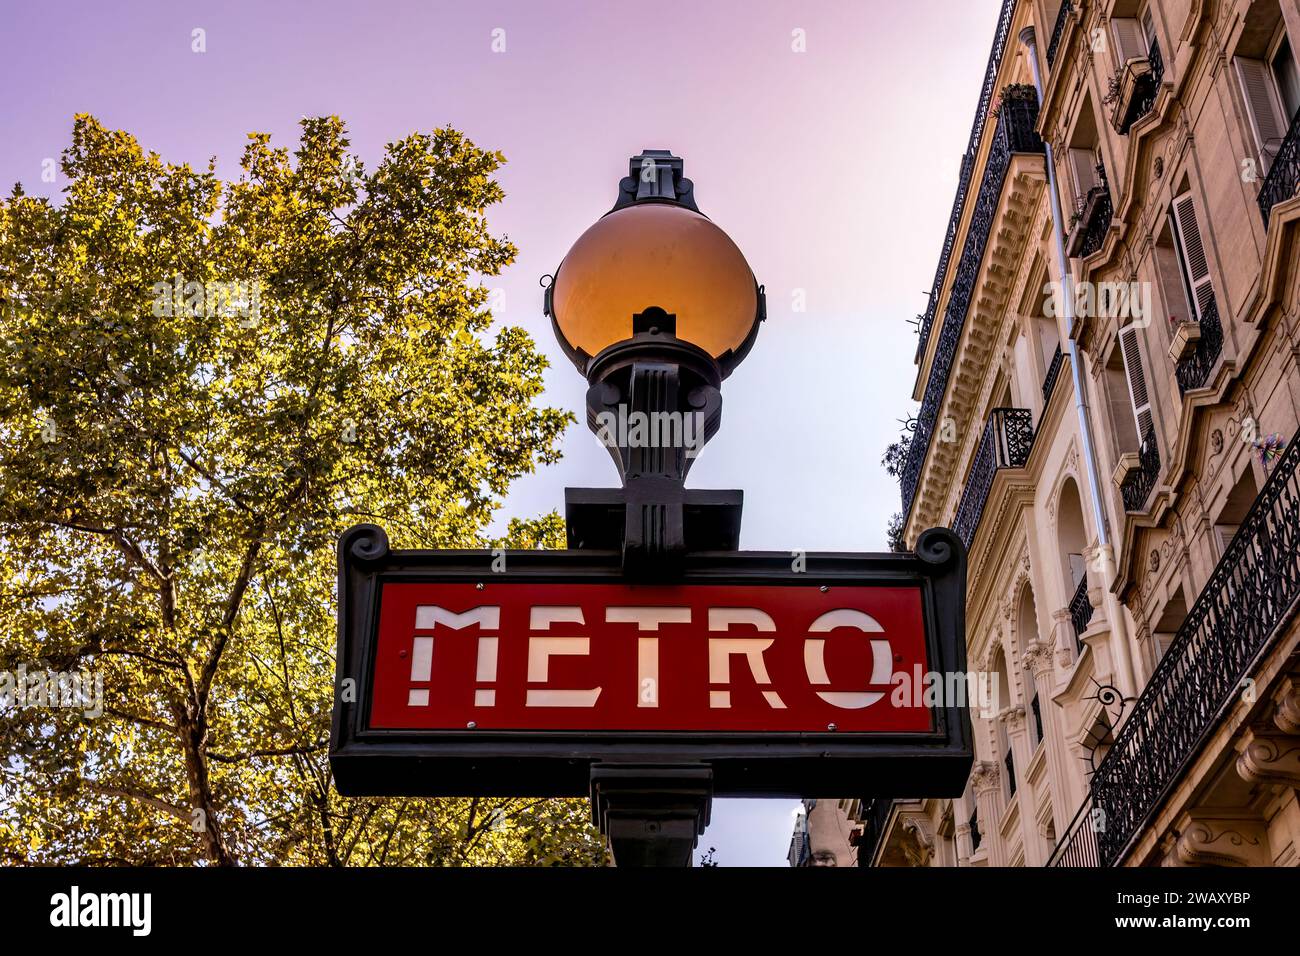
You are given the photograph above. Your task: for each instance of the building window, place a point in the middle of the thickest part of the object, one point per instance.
(1264, 83)
(1129, 38)
(1009, 762)
(1119, 407)
(1084, 175)
(1167, 624)
(975, 828)
(1287, 76)
(1171, 278)
(1037, 711)
(1148, 27)
(1234, 511)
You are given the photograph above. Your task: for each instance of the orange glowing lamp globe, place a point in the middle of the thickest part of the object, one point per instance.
(656, 254)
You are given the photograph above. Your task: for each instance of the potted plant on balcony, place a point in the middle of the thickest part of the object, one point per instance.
(1185, 333)
(1014, 91)
(1127, 463)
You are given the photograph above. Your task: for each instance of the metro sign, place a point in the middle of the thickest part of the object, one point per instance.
(611, 657)
(455, 679)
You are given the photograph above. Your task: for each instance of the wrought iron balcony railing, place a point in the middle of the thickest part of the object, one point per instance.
(1077, 846)
(1145, 88)
(1017, 118)
(1252, 592)
(1053, 373)
(982, 109)
(1058, 31)
(1094, 214)
(1006, 442)
(1080, 611)
(1194, 371)
(1136, 488)
(1284, 175)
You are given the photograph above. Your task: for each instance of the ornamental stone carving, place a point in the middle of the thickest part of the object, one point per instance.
(1038, 658)
(1269, 758)
(917, 843)
(1287, 714)
(984, 776)
(1013, 717)
(1226, 840)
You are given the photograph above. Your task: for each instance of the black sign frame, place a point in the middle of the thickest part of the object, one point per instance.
(387, 762)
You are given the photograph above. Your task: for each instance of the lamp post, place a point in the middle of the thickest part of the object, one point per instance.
(444, 676)
(655, 305)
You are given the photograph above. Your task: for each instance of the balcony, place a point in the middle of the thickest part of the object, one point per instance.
(1080, 612)
(1053, 373)
(1091, 219)
(1250, 596)
(1077, 847)
(1284, 175)
(1136, 486)
(1134, 88)
(1194, 371)
(982, 111)
(1007, 439)
(1015, 133)
(1058, 31)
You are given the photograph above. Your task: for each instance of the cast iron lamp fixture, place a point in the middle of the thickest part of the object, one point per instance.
(655, 305)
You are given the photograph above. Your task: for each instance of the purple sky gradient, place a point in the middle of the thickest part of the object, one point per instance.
(833, 170)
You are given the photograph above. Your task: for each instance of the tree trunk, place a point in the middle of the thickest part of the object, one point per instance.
(194, 741)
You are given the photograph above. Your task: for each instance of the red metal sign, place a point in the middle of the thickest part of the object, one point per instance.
(460, 673)
(613, 657)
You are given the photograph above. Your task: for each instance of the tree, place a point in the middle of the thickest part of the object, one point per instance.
(204, 383)
(894, 461)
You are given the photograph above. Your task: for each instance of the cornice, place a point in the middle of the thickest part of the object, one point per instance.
(1009, 239)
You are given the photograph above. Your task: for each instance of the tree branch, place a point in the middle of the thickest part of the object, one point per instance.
(269, 752)
(132, 793)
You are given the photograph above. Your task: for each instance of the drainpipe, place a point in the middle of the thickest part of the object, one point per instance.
(1114, 613)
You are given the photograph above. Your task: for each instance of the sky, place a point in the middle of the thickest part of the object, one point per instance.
(824, 136)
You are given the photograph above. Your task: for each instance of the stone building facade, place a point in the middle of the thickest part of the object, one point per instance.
(1109, 378)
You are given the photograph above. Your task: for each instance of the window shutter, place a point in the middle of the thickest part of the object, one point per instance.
(1083, 172)
(1137, 380)
(1130, 44)
(1266, 122)
(1191, 250)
